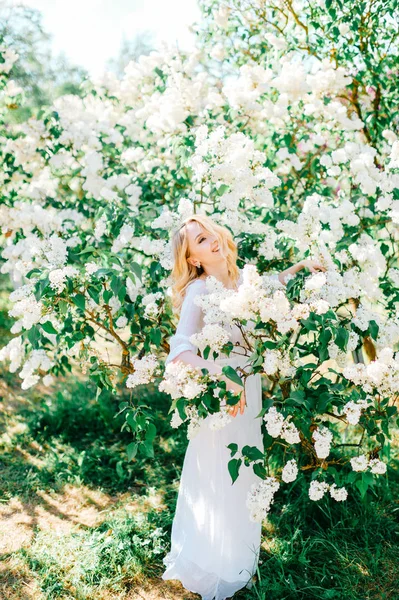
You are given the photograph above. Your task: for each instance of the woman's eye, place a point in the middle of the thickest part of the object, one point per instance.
(202, 239)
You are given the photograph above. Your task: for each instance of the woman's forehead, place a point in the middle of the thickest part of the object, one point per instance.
(193, 228)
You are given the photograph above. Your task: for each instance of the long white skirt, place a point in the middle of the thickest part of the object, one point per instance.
(214, 544)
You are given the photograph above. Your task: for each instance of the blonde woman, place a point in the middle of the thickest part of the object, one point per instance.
(214, 545)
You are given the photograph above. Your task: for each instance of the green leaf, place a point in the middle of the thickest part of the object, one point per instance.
(107, 295)
(63, 307)
(156, 335)
(232, 375)
(131, 421)
(253, 453)
(342, 338)
(86, 250)
(34, 335)
(94, 293)
(373, 328)
(80, 301)
(136, 270)
(33, 272)
(233, 448)
(49, 327)
(259, 470)
(122, 293)
(151, 432)
(234, 468)
(131, 450)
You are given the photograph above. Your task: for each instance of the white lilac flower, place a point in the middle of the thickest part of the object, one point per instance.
(176, 420)
(101, 227)
(260, 498)
(274, 422)
(150, 302)
(339, 494)
(220, 419)
(58, 277)
(13, 352)
(121, 322)
(378, 467)
(353, 410)
(194, 422)
(91, 267)
(124, 238)
(317, 489)
(48, 380)
(290, 471)
(37, 360)
(322, 438)
(182, 381)
(290, 433)
(213, 336)
(359, 463)
(144, 369)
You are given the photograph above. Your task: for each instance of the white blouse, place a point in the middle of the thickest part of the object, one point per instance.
(192, 321)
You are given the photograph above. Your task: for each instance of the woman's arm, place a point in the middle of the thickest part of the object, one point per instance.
(182, 349)
(312, 265)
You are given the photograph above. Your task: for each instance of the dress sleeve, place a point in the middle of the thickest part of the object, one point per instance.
(189, 323)
(273, 275)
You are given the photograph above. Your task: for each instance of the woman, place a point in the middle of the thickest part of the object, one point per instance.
(214, 545)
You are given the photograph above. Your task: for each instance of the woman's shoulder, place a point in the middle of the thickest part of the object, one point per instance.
(197, 285)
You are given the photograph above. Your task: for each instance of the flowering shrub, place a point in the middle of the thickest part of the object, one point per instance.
(282, 126)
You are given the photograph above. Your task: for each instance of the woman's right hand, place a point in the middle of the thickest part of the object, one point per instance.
(236, 389)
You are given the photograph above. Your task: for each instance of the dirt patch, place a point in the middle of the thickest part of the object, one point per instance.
(74, 507)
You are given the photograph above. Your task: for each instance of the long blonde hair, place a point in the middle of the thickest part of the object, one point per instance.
(183, 273)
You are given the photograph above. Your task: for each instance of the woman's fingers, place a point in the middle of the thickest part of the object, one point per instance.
(240, 405)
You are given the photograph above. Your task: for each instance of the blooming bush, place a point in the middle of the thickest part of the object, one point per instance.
(282, 126)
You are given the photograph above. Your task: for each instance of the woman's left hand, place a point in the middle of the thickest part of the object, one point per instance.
(240, 405)
(312, 265)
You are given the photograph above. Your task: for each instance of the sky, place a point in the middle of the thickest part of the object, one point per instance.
(90, 32)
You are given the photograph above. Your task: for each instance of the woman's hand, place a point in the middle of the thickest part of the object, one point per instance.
(236, 389)
(308, 263)
(233, 410)
(312, 265)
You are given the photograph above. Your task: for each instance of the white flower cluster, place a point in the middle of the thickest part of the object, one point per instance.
(144, 369)
(193, 418)
(220, 419)
(317, 489)
(213, 336)
(278, 361)
(362, 463)
(124, 238)
(353, 410)
(290, 471)
(182, 381)
(9, 57)
(150, 302)
(26, 309)
(58, 277)
(277, 425)
(322, 437)
(260, 498)
(380, 375)
(233, 160)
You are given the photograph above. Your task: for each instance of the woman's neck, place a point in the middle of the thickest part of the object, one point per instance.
(220, 273)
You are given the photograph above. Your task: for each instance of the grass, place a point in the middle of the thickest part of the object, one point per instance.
(78, 521)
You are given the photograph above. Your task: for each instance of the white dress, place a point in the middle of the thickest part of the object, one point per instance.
(214, 544)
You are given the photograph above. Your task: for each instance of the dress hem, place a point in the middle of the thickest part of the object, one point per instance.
(195, 579)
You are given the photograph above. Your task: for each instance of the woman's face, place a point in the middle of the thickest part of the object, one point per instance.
(203, 246)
